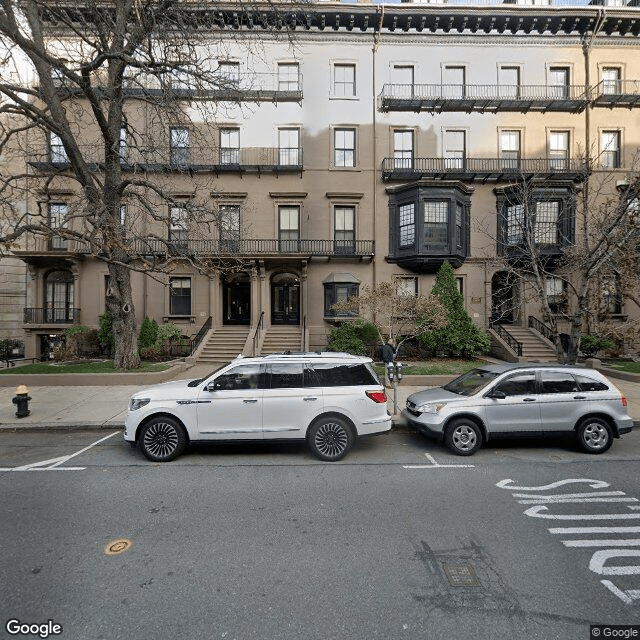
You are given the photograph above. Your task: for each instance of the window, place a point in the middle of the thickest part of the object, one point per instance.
(58, 297)
(344, 232)
(57, 152)
(459, 227)
(288, 76)
(611, 80)
(58, 212)
(407, 287)
(518, 385)
(287, 375)
(229, 229)
(123, 214)
(559, 82)
(436, 219)
(289, 147)
(588, 384)
(403, 149)
(180, 296)
(179, 140)
(407, 223)
(610, 143)
(558, 149)
(402, 78)
(242, 377)
(230, 146)
(180, 79)
(460, 285)
(555, 289)
(344, 147)
(344, 375)
(611, 294)
(123, 149)
(229, 75)
(454, 149)
(344, 80)
(288, 227)
(510, 149)
(557, 382)
(453, 81)
(515, 224)
(545, 229)
(178, 232)
(509, 82)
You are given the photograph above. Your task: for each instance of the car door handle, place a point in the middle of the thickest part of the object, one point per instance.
(250, 401)
(309, 399)
(528, 399)
(579, 397)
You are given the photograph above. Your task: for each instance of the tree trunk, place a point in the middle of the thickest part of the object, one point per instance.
(120, 303)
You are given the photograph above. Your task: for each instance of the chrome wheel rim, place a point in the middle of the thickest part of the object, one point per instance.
(464, 438)
(331, 439)
(595, 436)
(161, 439)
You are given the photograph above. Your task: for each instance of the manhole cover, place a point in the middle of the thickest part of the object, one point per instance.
(461, 575)
(117, 546)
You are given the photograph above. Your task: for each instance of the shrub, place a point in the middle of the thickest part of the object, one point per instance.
(358, 337)
(460, 335)
(148, 334)
(591, 344)
(168, 334)
(105, 333)
(151, 354)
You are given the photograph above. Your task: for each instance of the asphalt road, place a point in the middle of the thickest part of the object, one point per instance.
(523, 540)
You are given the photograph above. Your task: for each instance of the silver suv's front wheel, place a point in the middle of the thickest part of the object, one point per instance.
(330, 438)
(463, 437)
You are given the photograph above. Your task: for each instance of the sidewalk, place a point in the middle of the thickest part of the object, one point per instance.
(105, 407)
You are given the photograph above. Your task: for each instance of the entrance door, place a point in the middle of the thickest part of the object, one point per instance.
(236, 297)
(502, 298)
(285, 299)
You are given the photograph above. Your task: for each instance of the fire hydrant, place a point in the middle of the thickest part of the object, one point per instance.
(21, 401)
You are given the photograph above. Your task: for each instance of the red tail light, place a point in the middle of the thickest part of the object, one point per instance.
(377, 396)
(624, 401)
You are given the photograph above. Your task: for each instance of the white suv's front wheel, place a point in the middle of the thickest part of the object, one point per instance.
(162, 439)
(330, 438)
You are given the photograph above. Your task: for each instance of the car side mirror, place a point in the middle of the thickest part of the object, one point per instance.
(496, 394)
(211, 387)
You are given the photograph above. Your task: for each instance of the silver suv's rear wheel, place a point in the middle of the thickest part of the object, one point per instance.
(162, 439)
(463, 437)
(595, 435)
(330, 438)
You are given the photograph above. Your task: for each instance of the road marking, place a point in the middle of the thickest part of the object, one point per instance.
(436, 465)
(534, 512)
(594, 484)
(53, 464)
(594, 530)
(630, 542)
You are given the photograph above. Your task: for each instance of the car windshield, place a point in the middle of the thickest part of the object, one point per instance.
(470, 382)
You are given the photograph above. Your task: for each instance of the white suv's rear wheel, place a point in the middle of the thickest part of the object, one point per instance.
(330, 438)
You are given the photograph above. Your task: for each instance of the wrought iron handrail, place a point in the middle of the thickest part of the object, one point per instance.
(195, 342)
(541, 328)
(51, 315)
(514, 344)
(256, 333)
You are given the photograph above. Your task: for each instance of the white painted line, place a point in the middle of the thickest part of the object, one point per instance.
(567, 530)
(626, 596)
(575, 500)
(535, 512)
(594, 484)
(630, 542)
(436, 465)
(53, 464)
(594, 494)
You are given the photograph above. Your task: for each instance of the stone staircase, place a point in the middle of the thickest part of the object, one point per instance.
(535, 348)
(224, 344)
(282, 338)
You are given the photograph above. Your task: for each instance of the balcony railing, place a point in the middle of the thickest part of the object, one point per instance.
(483, 97)
(617, 93)
(192, 159)
(253, 247)
(51, 315)
(480, 169)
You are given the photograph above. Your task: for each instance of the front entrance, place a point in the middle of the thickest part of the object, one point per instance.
(236, 299)
(503, 303)
(285, 299)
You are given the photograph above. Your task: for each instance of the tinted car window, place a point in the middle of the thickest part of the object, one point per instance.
(557, 382)
(588, 384)
(287, 375)
(518, 385)
(244, 376)
(471, 382)
(344, 375)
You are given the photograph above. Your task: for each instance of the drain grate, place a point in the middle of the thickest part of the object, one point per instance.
(461, 575)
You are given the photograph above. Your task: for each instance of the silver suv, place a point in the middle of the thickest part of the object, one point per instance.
(514, 399)
(326, 398)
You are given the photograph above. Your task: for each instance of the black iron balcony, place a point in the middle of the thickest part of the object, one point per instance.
(481, 169)
(483, 97)
(257, 247)
(617, 93)
(51, 315)
(192, 159)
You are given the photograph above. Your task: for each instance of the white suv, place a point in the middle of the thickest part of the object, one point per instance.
(326, 398)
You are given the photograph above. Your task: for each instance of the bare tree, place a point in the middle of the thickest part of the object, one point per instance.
(96, 86)
(398, 317)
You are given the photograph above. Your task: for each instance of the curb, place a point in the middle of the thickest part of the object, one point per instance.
(14, 427)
